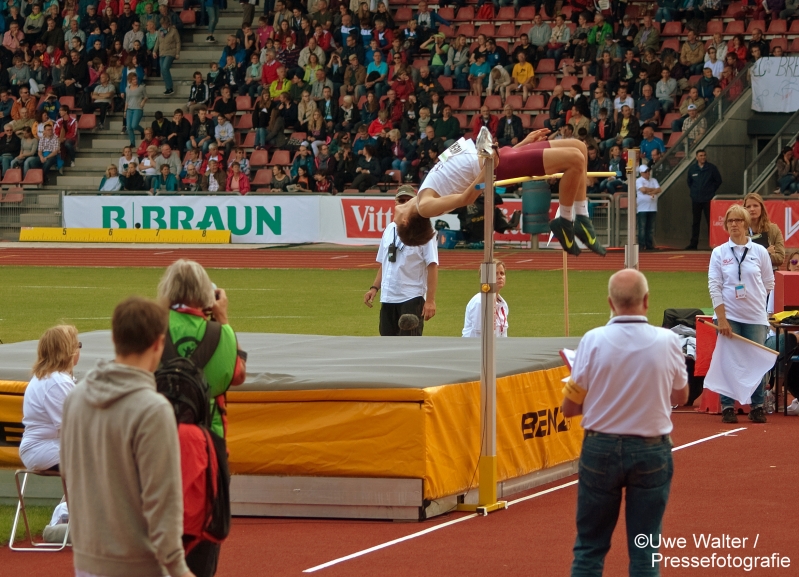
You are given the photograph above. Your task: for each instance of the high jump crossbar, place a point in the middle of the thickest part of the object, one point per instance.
(510, 181)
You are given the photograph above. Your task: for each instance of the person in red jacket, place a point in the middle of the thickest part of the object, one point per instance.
(66, 129)
(403, 86)
(383, 35)
(237, 181)
(269, 70)
(392, 104)
(380, 124)
(147, 141)
(485, 118)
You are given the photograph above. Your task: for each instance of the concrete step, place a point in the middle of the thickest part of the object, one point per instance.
(73, 181)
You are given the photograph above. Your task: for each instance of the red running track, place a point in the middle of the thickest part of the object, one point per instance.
(337, 259)
(738, 485)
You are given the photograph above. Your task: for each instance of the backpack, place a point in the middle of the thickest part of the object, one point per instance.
(203, 453)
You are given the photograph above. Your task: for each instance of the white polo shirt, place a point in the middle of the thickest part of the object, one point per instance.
(42, 408)
(645, 202)
(473, 323)
(456, 171)
(406, 278)
(757, 276)
(629, 369)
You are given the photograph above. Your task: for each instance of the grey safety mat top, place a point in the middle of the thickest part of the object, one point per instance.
(280, 362)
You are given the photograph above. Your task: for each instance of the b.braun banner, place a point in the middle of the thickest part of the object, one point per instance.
(775, 84)
(256, 219)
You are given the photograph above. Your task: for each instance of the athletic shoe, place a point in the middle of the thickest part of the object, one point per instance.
(757, 415)
(72, 164)
(563, 230)
(123, 131)
(168, 92)
(690, 247)
(61, 171)
(584, 230)
(210, 39)
(515, 219)
(408, 322)
(728, 415)
(484, 141)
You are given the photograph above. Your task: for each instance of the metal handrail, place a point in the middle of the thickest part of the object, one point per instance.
(712, 115)
(769, 155)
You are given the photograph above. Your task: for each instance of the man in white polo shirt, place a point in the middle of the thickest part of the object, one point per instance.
(626, 377)
(406, 275)
(648, 191)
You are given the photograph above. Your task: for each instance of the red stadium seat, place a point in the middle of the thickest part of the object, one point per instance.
(87, 122)
(673, 43)
(402, 15)
(715, 26)
(734, 27)
(567, 12)
(782, 42)
(672, 29)
(394, 175)
(470, 102)
(462, 121)
(694, 79)
(668, 119)
(447, 31)
(67, 101)
(732, 10)
(505, 13)
(545, 66)
(633, 11)
(487, 30)
(248, 140)
(465, 14)
(34, 177)
(504, 45)
(507, 30)
(659, 135)
(527, 122)
(244, 122)
(546, 84)
(777, 28)
(568, 81)
(794, 29)
(526, 13)
(794, 48)
(538, 120)
(447, 13)
(299, 136)
(243, 103)
(453, 100)
(515, 101)
(12, 177)
(263, 177)
(280, 157)
(760, 24)
(259, 158)
(468, 31)
(535, 102)
(587, 82)
(445, 82)
(673, 138)
(494, 102)
(189, 117)
(523, 28)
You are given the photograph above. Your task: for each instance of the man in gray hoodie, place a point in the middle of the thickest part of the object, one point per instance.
(120, 457)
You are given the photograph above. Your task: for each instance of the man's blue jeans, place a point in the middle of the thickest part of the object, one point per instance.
(5, 161)
(646, 229)
(608, 463)
(758, 334)
(166, 72)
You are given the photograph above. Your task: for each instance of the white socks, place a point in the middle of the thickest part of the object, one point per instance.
(580, 208)
(567, 212)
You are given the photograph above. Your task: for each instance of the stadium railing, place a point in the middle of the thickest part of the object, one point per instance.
(761, 171)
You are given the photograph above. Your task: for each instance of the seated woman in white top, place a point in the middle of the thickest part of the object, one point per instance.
(43, 404)
(473, 324)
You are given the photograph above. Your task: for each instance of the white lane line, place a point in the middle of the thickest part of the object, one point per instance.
(338, 257)
(692, 443)
(249, 289)
(526, 260)
(390, 543)
(473, 515)
(165, 252)
(61, 287)
(273, 317)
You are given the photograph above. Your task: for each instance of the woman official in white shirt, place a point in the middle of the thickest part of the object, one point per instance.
(473, 324)
(740, 278)
(42, 406)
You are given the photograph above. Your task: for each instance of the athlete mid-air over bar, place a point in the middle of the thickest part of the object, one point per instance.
(457, 180)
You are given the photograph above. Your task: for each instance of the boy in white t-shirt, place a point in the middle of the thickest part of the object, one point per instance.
(456, 181)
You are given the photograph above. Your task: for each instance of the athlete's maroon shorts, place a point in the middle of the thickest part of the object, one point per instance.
(525, 161)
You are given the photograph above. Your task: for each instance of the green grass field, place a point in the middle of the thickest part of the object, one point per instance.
(38, 517)
(323, 302)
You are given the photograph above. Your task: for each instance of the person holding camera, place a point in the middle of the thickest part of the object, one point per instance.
(407, 280)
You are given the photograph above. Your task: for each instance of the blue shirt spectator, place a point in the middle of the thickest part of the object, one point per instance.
(651, 142)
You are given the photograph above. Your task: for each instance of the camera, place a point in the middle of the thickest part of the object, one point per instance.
(392, 252)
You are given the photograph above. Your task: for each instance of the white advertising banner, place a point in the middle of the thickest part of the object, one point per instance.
(250, 219)
(775, 84)
(257, 219)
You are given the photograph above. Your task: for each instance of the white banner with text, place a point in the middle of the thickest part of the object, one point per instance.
(775, 84)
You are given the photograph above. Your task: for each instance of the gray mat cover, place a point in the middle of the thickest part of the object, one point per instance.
(305, 362)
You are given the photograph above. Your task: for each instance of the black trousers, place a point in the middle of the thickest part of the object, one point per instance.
(203, 559)
(698, 209)
(391, 312)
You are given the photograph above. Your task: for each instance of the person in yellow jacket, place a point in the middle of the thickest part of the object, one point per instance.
(523, 77)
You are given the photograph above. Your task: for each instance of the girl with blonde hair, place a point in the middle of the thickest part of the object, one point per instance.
(42, 406)
(764, 232)
(473, 323)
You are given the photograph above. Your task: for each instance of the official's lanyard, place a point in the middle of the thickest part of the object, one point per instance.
(740, 262)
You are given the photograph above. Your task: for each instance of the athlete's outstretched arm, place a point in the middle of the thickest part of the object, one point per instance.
(431, 206)
(534, 136)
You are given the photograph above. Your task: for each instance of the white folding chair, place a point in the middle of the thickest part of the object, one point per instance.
(35, 546)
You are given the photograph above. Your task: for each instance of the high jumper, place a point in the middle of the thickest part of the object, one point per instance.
(457, 180)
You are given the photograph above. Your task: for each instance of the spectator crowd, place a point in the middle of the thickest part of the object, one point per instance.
(356, 95)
